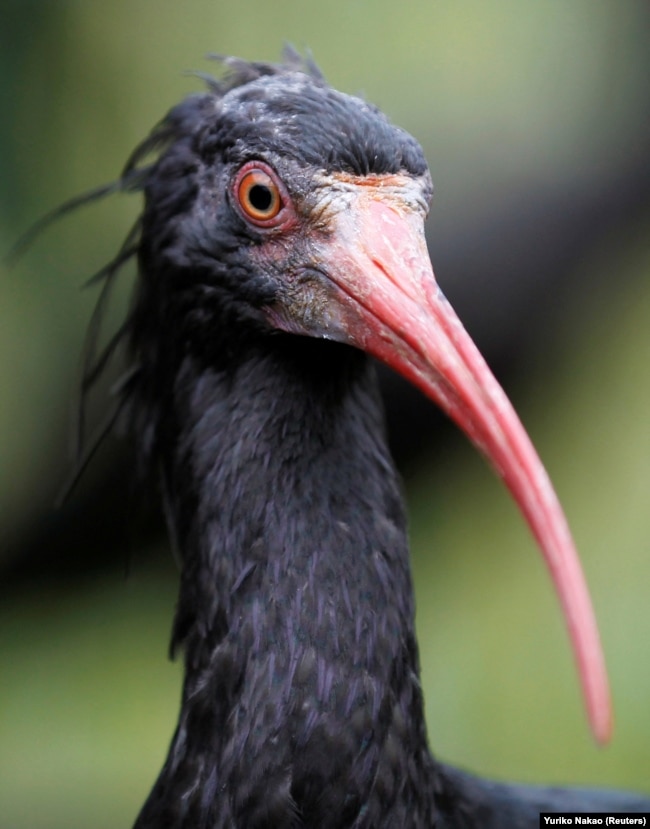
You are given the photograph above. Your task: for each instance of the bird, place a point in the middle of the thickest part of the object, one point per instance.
(279, 250)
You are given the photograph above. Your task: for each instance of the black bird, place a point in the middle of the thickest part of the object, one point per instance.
(282, 242)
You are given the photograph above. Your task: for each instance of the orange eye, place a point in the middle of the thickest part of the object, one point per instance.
(259, 195)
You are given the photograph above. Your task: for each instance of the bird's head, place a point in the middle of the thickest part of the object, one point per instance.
(276, 203)
(271, 184)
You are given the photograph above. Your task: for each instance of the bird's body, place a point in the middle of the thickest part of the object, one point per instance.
(301, 696)
(302, 705)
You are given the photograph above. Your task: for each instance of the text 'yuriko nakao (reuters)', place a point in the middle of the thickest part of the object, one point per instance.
(594, 819)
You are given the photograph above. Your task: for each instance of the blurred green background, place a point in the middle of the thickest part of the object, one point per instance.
(535, 118)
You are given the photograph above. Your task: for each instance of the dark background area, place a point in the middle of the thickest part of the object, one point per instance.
(535, 119)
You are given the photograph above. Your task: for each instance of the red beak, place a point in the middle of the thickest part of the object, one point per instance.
(383, 298)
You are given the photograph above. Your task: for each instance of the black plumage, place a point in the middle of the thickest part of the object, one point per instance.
(301, 701)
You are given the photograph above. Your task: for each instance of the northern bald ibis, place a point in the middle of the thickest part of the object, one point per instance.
(281, 243)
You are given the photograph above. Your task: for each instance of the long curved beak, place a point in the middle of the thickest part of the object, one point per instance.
(384, 299)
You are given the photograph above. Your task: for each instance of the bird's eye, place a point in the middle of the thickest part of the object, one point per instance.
(258, 193)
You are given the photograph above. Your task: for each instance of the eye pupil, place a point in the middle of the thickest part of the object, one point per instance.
(260, 197)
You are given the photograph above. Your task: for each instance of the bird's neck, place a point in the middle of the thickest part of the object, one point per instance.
(296, 606)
